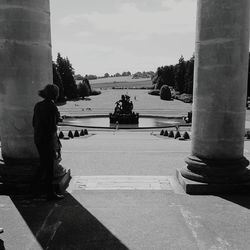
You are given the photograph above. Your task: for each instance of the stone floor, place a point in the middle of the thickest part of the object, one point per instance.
(124, 195)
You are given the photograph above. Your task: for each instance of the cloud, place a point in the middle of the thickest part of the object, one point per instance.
(174, 18)
(119, 35)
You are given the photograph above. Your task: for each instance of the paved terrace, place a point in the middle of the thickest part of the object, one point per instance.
(124, 195)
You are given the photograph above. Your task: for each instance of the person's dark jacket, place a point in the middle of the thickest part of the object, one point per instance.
(45, 119)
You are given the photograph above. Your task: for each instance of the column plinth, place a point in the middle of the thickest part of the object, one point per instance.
(216, 171)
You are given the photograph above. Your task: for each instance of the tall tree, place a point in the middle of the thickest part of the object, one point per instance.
(180, 70)
(57, 80)
(189, 75)
(66, 72)
(84, 89)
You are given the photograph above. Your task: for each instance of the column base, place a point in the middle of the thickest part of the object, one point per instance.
(205, 176)
(201, 188)
(16, 180)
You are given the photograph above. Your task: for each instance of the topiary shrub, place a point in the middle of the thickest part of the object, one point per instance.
(177, 135)
(162, 132)
(76, 134)
(86, 131)
(154, 92)
(95, 92)
(61, 135)
(166, 133)
(186, 135)
(165, 93)
(82, 133)
(171, 134)
(70, 134)
(248, 135)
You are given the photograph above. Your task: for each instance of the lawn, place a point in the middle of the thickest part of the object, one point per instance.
(120, 82)
(143, 103)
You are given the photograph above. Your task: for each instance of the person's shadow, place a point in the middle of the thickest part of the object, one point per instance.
(66, 225)
(2, 245)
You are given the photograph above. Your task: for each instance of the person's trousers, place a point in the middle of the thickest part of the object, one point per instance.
(46, 168)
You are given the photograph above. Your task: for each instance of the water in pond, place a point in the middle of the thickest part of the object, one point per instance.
(104, 122)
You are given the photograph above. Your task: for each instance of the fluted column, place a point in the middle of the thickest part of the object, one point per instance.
(220, 88)
(25, 67)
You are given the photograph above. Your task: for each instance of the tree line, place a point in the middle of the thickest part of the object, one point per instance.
(64, 78)
(178, 76)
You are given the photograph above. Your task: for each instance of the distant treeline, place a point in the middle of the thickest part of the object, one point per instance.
(64, 78)
(178, 76)
(144, 74)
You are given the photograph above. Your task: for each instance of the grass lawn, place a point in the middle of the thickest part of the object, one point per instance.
(144, 104)
(120, 82)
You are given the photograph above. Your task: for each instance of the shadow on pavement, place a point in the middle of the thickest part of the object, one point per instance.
(2, 245)
(65, 225)
(241, 200)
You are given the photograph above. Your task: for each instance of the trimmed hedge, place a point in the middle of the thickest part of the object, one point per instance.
(76, 134)
(165, 93)
(70, 134)
(171, 134)
(154, 92)
(61, 135)
(177, 135)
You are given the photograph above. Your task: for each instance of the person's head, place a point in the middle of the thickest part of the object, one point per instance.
(50, 91)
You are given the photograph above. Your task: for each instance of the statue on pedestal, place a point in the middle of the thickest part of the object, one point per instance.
(123, 113)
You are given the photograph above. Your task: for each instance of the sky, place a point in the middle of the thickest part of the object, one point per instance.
(110, 36)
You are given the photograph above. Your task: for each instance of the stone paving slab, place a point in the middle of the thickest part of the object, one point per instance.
(122, 182)
(16, 236)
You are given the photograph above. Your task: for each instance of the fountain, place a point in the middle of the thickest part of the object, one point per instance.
(123, 113)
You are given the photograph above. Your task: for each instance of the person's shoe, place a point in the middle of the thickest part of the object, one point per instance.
(1, 230)
(55, 197)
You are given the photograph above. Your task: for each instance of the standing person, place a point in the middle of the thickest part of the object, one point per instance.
(45, 119)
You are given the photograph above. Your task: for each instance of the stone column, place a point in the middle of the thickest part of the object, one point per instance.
(217, 163)
(25, 67)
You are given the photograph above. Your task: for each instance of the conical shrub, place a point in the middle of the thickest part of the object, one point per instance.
(177, 134)
(61, 135)
(186, 136)
(82, 133)
(76, 134)
(166, 133)
(171, 134)
(70, 134)
(86, 131)
(162, 132)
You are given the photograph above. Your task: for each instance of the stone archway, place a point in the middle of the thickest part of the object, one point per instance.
(222, 43)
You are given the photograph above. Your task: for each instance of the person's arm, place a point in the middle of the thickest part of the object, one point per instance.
(52, 119)
(58, 116)
(34, 116)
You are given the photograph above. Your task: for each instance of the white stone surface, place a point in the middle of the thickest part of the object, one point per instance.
(119, 182)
